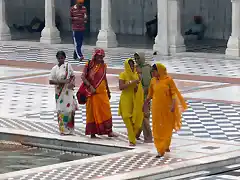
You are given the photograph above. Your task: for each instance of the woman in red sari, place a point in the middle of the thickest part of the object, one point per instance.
(98, 111)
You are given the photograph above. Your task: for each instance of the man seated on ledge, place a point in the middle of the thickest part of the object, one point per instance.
(151, 27)
(197, 28)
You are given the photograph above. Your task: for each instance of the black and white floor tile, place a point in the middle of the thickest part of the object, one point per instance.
(231, 172)
(206, 65)
(100, 169)
(202, 119)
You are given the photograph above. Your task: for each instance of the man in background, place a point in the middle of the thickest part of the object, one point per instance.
(78, 14)
(197, 28)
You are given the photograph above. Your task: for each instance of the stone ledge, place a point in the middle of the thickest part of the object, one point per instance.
(189, 155)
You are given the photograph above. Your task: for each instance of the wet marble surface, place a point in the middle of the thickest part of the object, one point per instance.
(6, 71)
(231, 93)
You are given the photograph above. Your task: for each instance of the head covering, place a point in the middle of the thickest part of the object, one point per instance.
(80, 1)
(142, 59)
(99, 52)
(131, 75)
(162, 70)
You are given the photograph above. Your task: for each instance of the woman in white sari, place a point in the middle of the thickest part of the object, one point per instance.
(63, 78)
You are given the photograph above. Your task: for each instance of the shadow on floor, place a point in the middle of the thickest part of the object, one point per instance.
(136, 41)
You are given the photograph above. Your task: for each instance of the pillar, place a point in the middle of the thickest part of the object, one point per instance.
(233, 45)
(5, 34)
(176, 40)
(106, 36)
(161, 40)
(169, 39)
(50, 34)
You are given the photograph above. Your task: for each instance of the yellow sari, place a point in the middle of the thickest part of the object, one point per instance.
(163, 91)
(130, 105)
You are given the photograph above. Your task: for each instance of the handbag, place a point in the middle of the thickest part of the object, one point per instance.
(82, 94)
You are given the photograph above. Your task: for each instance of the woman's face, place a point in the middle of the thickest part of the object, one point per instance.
(61, 59)
(131, 64)
(137, 59)
(99, 58)
(155, 73)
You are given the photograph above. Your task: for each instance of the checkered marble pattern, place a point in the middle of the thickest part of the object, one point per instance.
(208, 65)
(51, 128)
(98, 169)
(231, 172)
(202, 119)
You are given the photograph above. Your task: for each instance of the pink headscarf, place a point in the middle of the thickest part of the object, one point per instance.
(99, 52)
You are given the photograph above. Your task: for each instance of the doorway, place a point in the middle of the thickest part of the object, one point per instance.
(87, 5)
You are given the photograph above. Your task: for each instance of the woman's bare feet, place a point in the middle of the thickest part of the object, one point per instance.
(159, 155)
(132, 144)
(112, 135)
(93, 136)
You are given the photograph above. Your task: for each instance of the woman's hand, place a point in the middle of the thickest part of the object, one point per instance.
(144, 108)
(71, 86)
(145, 105)
(109, 95)
(136, 89)
(92, 89)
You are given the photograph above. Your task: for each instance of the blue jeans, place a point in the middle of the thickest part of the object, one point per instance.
(78, 41)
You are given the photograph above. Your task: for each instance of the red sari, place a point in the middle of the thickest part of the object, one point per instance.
(98, 110)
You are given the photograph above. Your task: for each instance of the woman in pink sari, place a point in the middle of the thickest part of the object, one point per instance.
(98, 111)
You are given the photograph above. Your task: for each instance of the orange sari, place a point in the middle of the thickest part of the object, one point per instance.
(98, 110)
(163, 91)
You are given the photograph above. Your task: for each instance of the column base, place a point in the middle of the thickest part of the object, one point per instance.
(50, 36)
(106, 39)
(233, 47)
(5, 34)
(177, 44)
(161, 46)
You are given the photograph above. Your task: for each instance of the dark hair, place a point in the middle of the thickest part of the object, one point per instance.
(136, 54)
(60, 53)
(154, 67)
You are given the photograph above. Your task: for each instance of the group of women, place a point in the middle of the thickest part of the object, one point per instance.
(167, 102)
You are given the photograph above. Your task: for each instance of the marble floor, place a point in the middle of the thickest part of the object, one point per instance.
(210, 84)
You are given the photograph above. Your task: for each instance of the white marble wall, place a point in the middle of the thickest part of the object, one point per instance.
(216, 15)
(21, 12)
(129, 16)
(95, 15)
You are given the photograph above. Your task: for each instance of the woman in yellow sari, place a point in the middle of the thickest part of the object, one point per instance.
(131, 100)
(167, 107)
(98, 111)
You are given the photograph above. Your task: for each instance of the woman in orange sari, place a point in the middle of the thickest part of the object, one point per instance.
(167, 107)
(98, 111)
